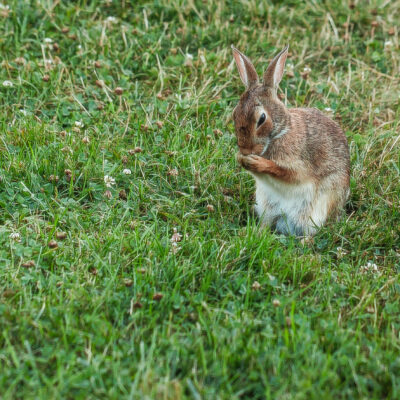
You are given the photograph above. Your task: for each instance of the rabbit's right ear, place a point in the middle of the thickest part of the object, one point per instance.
(274, 72)
(247, 72)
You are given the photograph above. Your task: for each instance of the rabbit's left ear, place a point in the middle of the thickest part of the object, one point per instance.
(274, 72)
(247, 72)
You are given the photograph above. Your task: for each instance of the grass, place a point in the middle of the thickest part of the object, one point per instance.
(96, 301)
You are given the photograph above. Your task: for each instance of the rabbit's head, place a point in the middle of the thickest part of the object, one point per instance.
(260, 116)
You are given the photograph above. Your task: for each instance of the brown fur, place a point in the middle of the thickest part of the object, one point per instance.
(297, 145)
(261, 165)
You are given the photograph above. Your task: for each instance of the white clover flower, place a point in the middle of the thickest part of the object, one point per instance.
(276, 302)
(340, 252)
(109, 181)
(79, 124)
(188, 60)
(8, 84)
(67, 149)
(15, 236)
(127, 171)
(173, 172)
(23, 112)
(370, 267)
(388, 45)
(289, 65)
(111, 20)
(328, 109)
(176, 237)
(47, 40)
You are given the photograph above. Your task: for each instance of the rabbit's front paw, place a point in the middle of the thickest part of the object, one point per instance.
(252, 162)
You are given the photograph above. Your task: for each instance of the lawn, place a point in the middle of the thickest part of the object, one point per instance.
(131, 263)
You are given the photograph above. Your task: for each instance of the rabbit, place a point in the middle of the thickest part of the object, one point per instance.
(298, 157)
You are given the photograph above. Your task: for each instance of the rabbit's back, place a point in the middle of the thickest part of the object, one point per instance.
(325, 148)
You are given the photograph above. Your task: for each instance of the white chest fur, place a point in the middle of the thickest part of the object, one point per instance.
(298, 203)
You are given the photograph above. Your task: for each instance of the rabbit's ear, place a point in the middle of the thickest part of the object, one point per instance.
(274, 72)
(247, 72)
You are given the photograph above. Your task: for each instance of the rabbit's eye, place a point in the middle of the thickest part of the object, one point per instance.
(261, 120)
